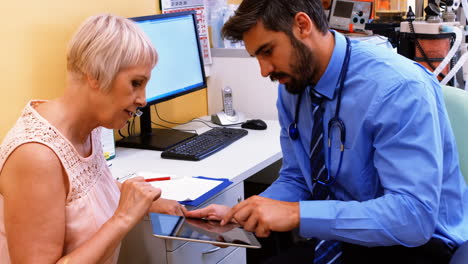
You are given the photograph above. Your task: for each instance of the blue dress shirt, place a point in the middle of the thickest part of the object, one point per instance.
(400, 181)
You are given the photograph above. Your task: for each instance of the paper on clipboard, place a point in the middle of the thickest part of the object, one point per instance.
(185, 189)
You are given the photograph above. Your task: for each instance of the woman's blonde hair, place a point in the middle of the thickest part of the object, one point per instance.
(105, 44)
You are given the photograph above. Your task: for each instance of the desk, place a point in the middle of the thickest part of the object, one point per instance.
(242, 159)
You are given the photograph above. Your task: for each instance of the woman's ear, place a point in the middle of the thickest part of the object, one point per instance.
(303, 25)
(92, 82)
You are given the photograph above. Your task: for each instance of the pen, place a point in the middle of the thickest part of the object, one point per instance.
(154, 176)
(130, 175)
(158, 179)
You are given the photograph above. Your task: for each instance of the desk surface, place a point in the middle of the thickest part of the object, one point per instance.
(237, 162)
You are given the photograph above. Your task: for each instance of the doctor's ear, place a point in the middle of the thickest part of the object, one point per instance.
(303, 24)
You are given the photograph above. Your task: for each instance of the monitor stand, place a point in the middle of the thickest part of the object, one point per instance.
(153, 138)
(160, 139)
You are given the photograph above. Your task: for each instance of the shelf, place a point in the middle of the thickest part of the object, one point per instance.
(236, 53)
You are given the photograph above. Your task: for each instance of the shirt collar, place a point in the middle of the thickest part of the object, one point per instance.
(328, 83)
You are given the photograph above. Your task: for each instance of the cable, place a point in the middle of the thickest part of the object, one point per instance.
(205, 122)
(232, 125)
(184, 130)
(465, 8)
(173, 123)
(217, 125)
(410, 17)
(120, 134)
(420, 48)
(129, 125)
(453, 50)
(455, 69)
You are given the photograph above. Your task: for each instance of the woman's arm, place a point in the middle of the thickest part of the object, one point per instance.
(34, 186)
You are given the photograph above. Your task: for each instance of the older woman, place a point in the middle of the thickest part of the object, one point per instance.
(58, 200)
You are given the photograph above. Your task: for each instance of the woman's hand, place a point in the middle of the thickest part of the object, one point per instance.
(165, 206)
(211, 212)
(136, 197)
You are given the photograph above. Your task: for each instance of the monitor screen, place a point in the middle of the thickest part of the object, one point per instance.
(180, 63)
(343, 9)
(179, 71)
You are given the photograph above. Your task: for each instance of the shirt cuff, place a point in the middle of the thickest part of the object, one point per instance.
(317, 218)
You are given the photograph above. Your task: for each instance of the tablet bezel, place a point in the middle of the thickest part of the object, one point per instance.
(250, 235)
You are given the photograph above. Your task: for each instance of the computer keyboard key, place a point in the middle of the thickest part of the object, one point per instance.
(205, 144)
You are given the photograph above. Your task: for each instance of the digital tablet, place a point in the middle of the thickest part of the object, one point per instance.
(200, 230)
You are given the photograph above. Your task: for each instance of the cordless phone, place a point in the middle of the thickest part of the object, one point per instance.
(228, 116)
(227, 101)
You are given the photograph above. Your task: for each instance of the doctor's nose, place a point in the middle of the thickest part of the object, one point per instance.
(266, 68)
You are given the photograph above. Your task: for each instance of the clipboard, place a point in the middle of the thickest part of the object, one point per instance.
(201, 199)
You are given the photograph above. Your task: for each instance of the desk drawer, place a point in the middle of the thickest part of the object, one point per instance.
(201, 253)
(229, 197)
(238, 255)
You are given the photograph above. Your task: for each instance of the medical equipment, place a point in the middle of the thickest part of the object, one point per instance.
(435, 42)
(390, 10)
(350, 15)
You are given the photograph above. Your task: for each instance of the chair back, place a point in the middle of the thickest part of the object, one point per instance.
(456, 102)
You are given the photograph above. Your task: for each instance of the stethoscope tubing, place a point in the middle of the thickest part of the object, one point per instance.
(335, 121)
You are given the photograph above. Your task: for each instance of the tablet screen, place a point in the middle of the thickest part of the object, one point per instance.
(200, 230)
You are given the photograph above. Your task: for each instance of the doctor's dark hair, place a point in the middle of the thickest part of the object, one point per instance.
(276, 15)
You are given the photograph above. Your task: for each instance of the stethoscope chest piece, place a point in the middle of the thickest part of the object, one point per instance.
(293, 131)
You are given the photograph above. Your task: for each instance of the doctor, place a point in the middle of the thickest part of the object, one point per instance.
(370, 165)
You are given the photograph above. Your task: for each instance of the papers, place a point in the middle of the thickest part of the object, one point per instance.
(108, 143)
(185, 189)
(191, 191)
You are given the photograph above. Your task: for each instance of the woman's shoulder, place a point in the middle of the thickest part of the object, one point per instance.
(34, 157)
(32, 134)
(31, 163)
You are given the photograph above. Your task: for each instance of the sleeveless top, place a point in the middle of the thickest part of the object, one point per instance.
(93, 195)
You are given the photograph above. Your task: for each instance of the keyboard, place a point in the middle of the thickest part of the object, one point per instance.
(205, 144)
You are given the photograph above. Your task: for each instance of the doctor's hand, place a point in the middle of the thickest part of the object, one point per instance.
(211, 212)
(166, 206)
(210, 226)
(263, 215)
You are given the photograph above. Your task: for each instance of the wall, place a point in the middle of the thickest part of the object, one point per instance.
(252, 94)
(33, 48)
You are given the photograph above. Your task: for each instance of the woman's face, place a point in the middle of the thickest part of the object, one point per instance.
(126, 94)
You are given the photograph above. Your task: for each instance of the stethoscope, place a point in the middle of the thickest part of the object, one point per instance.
(335, 121)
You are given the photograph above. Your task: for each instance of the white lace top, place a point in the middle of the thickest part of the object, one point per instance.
(93, 195)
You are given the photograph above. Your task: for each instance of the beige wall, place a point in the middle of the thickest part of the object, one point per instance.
(34, 36)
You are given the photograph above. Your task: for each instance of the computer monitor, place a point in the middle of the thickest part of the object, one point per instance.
(179, 71)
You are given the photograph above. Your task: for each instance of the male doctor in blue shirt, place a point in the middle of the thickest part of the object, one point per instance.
(396, 193)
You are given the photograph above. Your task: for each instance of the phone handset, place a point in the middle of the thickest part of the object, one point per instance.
(228, 116)
(227, 101)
